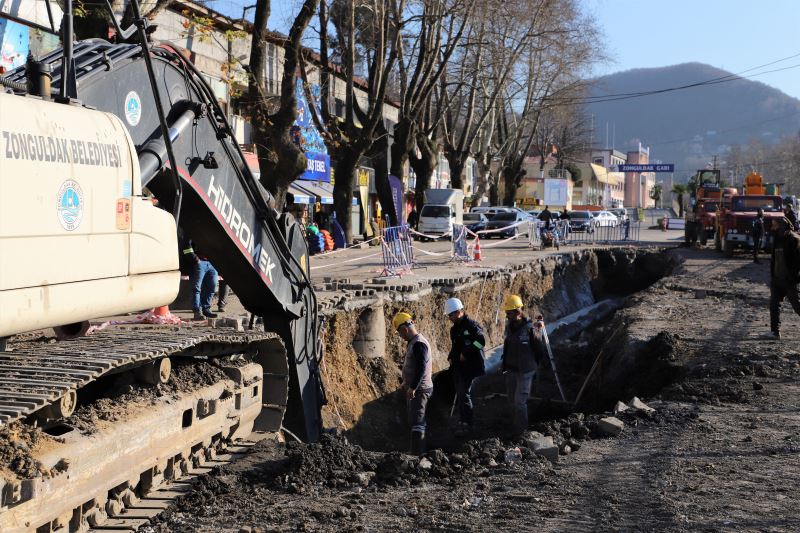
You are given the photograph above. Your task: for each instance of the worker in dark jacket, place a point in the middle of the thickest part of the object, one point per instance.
(523, 349)
(789, 213)
(466, 358)
(417, 378)
(784, 268)
(758, 233)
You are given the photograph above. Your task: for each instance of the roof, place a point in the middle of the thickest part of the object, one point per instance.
(604, 176)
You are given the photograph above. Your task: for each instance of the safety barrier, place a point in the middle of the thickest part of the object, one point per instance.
(625, 232)
(398, 252)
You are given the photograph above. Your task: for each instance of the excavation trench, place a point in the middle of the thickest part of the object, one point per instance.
(580, 295)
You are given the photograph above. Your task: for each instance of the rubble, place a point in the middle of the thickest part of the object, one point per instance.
(640, 406)
(610, 426)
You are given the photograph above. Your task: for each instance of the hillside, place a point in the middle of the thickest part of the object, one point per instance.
(689, 126)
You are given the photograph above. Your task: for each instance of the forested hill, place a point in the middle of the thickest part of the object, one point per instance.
(689, 126)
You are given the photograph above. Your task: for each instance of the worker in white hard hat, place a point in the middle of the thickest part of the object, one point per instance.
(466, 359)
(417, 378)
(523, 349)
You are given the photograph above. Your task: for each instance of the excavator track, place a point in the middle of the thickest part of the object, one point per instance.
(133, 463)
(36, 377)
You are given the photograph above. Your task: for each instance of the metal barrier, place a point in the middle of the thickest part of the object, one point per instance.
(625, 232)
(398, 253)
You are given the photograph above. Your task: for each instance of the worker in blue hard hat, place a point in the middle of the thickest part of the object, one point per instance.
(466, 359)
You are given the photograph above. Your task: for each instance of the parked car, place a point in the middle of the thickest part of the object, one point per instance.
(605, 219)
(501, 220)
(620, 213)
(475, 221)
(534, 213)
(581, 221)
(480, 209)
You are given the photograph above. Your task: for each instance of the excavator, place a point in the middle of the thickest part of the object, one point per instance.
(92, 137)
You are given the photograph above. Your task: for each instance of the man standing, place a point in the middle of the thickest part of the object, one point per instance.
(783, 268)
(413, 217)
(789, 213)
(466, 358)
(546, 216)
(417, 378)
(758, 233)
(523, 349)
(203, 279)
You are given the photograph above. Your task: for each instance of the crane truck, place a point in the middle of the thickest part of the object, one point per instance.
(90, 135)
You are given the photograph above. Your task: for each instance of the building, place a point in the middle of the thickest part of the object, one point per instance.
(638, 185)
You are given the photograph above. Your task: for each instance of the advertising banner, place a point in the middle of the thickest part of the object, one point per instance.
(396, 184)
(555, 192)
(319, 167)
(14, 44)
(306, 135)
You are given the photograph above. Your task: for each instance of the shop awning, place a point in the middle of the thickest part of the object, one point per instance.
(301, 196)
(320, 189)
(604, 176)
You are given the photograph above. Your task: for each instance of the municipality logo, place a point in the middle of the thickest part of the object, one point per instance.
(70, 205)
(133, 108)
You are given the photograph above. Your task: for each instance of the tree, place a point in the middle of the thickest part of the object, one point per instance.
(368, 30)
(280, 160)
(655, 193)
(679, 189)
(92, 21)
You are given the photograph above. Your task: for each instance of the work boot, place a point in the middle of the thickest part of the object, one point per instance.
(220, 309)
(208, 313)
(417, 443)
(772, 335)
(198, 315)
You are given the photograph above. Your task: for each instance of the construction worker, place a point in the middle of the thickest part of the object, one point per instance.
(758, 233)
(789, 213)
(466, 358)
(202, 279)
(523, 349)
(546, 216)
(417, 377)
(784, 269)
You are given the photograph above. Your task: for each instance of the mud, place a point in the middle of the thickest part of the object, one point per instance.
(113, 398)
(18, 444)
(720, 452)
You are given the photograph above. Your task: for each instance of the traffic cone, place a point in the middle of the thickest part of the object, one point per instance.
(161, 311)
(477, 254)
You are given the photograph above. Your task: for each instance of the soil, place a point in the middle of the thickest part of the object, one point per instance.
(720, 452)
(118, 395)
(18, 442)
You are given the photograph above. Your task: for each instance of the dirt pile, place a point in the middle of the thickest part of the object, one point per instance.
(114, 398)
(17, 444)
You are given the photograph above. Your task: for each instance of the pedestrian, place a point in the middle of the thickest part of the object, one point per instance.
(417, 378)
(523, 349)
(413, 217)
(466, 359)
(203, 280)
(546, 216)
(784, 267)
(789, 213)
(564, 220)
(757, 233)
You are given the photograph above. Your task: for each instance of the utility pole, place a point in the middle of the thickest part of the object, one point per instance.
(715, 163)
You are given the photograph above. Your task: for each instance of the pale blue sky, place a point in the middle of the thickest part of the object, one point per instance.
(734, 35)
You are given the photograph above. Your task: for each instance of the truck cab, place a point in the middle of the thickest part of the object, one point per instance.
(443, 208)
(735, 221)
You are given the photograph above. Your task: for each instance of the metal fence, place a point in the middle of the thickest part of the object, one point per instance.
(460, 247)
(561, 232)
(398, 253)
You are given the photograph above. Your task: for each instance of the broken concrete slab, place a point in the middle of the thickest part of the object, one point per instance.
(610, 426)
(543, 446)
(639, 405)
(620, 407)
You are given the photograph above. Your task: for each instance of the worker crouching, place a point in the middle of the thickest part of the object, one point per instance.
(523, 349)
(417, 378)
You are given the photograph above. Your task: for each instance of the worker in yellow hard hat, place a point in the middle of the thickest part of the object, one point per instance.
(523, 349)
(417, 377)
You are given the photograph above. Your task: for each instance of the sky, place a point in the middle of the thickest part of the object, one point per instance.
(734, 35)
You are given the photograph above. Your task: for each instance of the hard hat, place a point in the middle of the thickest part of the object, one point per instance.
(401, 318)
(512, 302)
(452, 305)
